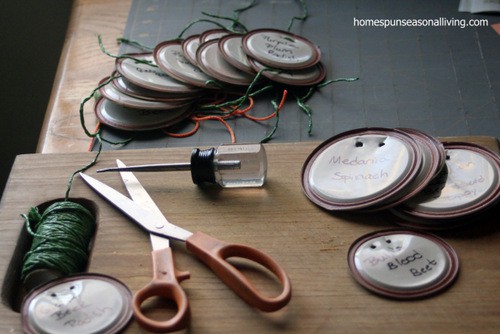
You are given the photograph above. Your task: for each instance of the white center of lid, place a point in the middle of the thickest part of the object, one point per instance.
(470, 178)
(82, 306)
(360, 168)
(278, 48)
(401, 262)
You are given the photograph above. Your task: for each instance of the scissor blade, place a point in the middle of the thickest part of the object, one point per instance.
(141, 197)
(147, 219)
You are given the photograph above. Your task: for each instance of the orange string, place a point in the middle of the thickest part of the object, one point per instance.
(265, 118)
(186, 134)
(89, 149)
(220, 119)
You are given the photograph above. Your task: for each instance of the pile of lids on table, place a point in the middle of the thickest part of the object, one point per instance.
(146, 97)
(427, 184)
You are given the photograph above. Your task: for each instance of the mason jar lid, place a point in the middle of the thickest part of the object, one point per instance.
(231, 49)
(189, 47)
(131, 119)
(171, 59)
(131, 89)
(82, 304)
(360, 168)
(211, 62)
(110, 92)
(469, 183)
(212, 34)
(403, 264)
(280, 49)
(150, 77)
(433, 158)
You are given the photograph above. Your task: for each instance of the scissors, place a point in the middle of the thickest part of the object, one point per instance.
(213, 252)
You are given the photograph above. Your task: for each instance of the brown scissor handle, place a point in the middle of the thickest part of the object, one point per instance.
(165, 284)
(214, 253)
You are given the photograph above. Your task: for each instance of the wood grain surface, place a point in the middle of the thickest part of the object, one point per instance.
(82, 65)
(310, 243)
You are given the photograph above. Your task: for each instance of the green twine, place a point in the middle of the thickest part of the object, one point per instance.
(301, 101)
(275, 127)
(304, 16)
(61, 238)
(96, 135)
(136, 44)
(140, 61)
(235, 27)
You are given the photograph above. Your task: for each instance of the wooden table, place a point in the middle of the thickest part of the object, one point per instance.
(81, 66)
(310, 243)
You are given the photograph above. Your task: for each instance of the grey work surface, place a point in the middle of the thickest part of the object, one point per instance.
(443, 80)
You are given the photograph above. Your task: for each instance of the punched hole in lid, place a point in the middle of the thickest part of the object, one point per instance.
(359, 144)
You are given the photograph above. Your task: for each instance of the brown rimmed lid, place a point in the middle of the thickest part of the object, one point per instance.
(130, 119)
(280, 49)
(189, 47)
(131, 89)
(469, 183)
(433, 158)
(110, 92)
(213, 34)
(231, 49)
(86, 303)
(211, 62)
(360, 168)
(403, 264)
(171, 59)
(150, 77)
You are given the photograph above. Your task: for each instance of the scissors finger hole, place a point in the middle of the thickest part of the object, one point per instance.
(263, 279)
(158, 308)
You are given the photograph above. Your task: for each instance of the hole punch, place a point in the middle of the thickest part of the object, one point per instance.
(381, 144)
(359, 144)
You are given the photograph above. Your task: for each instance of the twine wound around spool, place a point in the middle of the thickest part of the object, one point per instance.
(62, 237)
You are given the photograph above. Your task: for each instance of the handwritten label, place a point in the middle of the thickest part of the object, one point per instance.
(356, 161)
(280, 47)
(151, 71)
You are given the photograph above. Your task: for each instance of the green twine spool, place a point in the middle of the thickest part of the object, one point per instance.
(61, 239)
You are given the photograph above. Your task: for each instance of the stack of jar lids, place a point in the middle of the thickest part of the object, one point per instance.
(143, 97)
(146, 97)
(373, 169)
(467, 186)
(234, 59)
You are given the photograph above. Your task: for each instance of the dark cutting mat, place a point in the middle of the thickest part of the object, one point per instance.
(441, 80)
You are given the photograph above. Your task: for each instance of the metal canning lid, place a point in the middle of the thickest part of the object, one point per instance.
(213, 34)
(110, 92)
(210, 60)
(280, 49)
(433, 158)
(150, 77)
(130, 119)
(403, 264)
(231, 49)
(470, 183)
(189, 47)
(170, 58)
(131, 89)
(88, 303)
(303, 77)
(360, 168)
